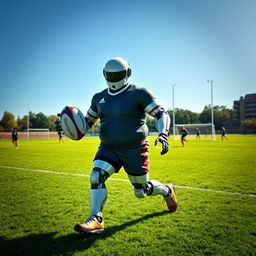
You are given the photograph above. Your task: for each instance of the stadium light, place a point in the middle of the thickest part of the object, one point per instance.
(211, 83)
(173, 111)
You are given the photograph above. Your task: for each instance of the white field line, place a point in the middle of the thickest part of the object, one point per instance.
(85, 175)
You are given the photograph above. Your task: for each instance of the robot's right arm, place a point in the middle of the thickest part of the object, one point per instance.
(90, 119)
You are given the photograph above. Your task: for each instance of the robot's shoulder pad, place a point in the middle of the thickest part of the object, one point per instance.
(142, 90)
(99, 95)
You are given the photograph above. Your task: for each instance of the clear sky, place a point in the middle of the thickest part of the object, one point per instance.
(52, 52)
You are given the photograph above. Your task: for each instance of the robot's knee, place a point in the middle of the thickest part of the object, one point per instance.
(94, 177)
(98, 178)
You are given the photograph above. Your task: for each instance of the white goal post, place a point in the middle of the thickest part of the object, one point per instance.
(38, 133)
(207, 131)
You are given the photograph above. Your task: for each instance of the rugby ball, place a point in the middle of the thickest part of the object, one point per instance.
(72, 122)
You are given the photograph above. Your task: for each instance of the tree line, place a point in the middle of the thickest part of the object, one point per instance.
(40, 120)
(222, 115)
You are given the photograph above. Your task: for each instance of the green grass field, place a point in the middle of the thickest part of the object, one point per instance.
(216, 189)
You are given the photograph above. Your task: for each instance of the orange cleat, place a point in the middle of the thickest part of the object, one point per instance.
(171, 199)
(93, 225)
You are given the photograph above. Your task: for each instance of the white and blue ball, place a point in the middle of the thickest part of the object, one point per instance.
(73, 122)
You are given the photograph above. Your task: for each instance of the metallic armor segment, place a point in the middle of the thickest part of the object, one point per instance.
(98, 198)
(143, 179)
(92, 113)
(157, 188)
(163, 123)
(152, 108)
(104, 166)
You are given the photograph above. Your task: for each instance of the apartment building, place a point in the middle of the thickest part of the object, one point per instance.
(245, 107)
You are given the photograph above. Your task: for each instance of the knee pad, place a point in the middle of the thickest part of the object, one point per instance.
(98, 178)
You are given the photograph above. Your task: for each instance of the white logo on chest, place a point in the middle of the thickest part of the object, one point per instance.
(102, 100)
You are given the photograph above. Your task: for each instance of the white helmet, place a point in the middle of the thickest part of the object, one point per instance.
(116, 73)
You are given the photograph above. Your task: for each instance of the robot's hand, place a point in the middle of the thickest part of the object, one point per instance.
(163, 139)
(57, 124)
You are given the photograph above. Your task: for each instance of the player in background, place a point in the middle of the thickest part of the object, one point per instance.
(197, 134)
(223, 133)
(184, 133)
(59, 130)
(60, 134)
(15, 137)
(122, 109)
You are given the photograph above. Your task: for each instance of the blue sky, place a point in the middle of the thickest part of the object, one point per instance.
(52, 52)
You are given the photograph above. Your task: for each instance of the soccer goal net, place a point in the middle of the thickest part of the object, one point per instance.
(37, 133)
(196, 131)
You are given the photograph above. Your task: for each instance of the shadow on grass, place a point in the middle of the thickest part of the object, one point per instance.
(48, 244)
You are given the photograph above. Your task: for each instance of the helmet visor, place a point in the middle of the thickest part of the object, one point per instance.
(115, 76)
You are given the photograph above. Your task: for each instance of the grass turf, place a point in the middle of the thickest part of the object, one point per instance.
(38, 209)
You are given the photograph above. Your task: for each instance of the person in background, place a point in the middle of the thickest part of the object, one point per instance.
(197, 134)
(184, 133)
(60, 136)
(15, 137)
(223, 133)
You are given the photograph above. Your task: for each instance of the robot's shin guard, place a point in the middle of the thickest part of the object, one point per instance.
(98, 198)
(98, 195)
(154, 187)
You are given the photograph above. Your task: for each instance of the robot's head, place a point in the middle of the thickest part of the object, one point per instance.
(116, 73)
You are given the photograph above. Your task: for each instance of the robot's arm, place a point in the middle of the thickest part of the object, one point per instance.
(162, 124)
(91, 118)
(162, 117)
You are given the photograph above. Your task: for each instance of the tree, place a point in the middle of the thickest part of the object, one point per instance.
(205, 115)
(221, 115)
(38, 120)
(184, 116)
(8, 121)
(22, 122)
(32, 119)
(51, 122)
(249, 125)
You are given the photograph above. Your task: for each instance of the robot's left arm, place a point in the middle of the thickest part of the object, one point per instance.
(162, 124)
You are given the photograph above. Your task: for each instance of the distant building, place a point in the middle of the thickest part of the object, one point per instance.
(245, 107)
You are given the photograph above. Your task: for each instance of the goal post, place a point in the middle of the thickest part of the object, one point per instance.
(38, 133)
(207, 131)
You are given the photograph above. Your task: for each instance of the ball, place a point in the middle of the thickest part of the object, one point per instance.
(73, 123)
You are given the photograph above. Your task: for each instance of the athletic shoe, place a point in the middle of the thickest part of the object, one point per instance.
(171, 199)
(94, 225)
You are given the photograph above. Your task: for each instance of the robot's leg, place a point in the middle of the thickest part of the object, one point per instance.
(144, 187)
(98, 195)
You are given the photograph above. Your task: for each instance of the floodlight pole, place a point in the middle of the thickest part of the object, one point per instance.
(211, 82)
(173, 111)
(28, 122)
